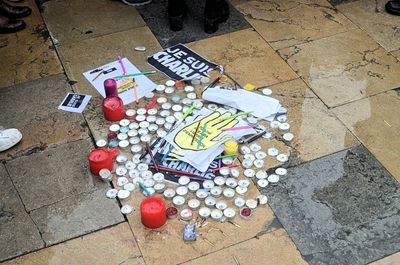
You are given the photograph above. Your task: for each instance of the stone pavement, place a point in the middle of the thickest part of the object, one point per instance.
(335, 67)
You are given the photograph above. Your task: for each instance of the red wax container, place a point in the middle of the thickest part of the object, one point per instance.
(113, 108)
(153, 212)
(102, 158)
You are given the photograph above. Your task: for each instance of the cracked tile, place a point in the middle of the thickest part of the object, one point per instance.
(273, 248)
(396, 54)
(114, 245)
(19, 234)
(76, 216)
(75, 20)
(312, 138)
(287, 23)
(374, 121)
(169, 236)
(32, 108)
(53, 175)
(251, 61)
(28, 54)
(155, 15)
(371, 17)
(339, 71)
(314, 200)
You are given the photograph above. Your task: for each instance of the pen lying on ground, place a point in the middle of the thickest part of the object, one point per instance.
(143, 73)
(236, 115)
(216, 169)
(239, 128)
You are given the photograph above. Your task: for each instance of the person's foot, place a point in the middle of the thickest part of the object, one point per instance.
(393, 7)
(136, 2)
(8, 25)
(215, 12)
(176, 13)
(9, 138)
(14, 11)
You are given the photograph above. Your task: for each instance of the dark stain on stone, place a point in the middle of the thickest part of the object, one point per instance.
(339, 2)
(32, 150)
(397, 91)
(275, 224)
(308, 258)
(3, 43)
(375, 192)
(72, 82)
(84, 124)
(41, 32)
(88, 32)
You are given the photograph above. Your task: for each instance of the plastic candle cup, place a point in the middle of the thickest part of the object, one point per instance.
(231, 147)
(113, 108)
(153, 212)
(102, 158)
(110, 87)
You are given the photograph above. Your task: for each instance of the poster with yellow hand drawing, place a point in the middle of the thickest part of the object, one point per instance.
(200, 139)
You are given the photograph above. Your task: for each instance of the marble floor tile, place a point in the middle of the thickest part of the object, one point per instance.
(155, 15)
(54, 174)
(19, 234)
(110, 246)
(317, 132)
(213, 235)
(272, 248)
(75, 20)
(390, 260)
(28, 54)
(76, 216)
(340, 209)
(251, 61)
(83, 56)
(32, 108)
(339, 71)
(375, 123)
(97, 52)
(371, 17)
(287, 23)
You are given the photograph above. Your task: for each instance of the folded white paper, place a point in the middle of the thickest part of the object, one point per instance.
(263, 107)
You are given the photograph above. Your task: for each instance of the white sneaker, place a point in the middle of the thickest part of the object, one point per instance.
(9, 138)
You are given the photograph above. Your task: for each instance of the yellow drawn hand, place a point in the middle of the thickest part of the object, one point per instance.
(213, 129)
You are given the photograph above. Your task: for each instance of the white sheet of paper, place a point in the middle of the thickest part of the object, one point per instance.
(74, 102)
(143, 84)
(244, 100)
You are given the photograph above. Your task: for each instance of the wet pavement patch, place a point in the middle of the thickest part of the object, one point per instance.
(340, 209)
(155, 16)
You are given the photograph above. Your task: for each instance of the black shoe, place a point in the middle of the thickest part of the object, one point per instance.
(176, 13)
(393, 7)
(215, 12)
(8, 25)
(14, 11)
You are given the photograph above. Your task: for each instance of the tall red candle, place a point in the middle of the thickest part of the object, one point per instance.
(153, 212)
(102, 158)
(113, 108)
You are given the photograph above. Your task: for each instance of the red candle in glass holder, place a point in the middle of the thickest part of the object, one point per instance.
(102, 158)
(153, 212)
(113, 108)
